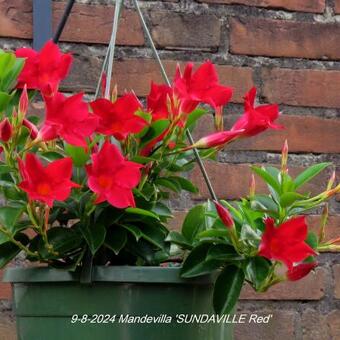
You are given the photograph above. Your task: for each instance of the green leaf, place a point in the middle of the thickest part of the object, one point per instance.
(227, 289)
(162, 210)
(5, 98)
(78, 155)
(312, 240)
(223, 252)
(264, 203)
(194, 222)
(9, 216)
(116, 238)
(51, 156)
(10, 78)
(135, 231)
(309, 173)
(258, 270)
(155, 130)
(142, 212)
(194, 116)
(196, 263)
(268, 178)
(184, 183)
(288, 198)
(153, 234)
(179, 239)
(94, 235)
(63, 240)
(9, 250)
(214, 233)
(168, 183)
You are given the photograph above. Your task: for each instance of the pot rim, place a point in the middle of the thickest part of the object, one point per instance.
(122, 274)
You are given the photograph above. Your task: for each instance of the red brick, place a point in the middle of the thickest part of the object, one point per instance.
(128, 75)
(336, 271)
(5, 289)
(337, 6)
(279, 38)
(88, 23)
(304, 134)
(332, 228)
(311, 287)
(302, 87)
(230, 181)
(312, 6)
(273, 330)
(333, 320)
(314, 325)
(179, 30)
(7, 327)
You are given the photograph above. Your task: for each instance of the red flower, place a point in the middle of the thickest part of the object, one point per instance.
(5, 130)
(256, 119)
(43, 70)
(157, 101)
(224, 215)
(200, 86)
(118, 119)
(68, 118)
(31, 127)
(286, 242)
(216, 139)
(112, 178)
(301, 270)
(46, 184)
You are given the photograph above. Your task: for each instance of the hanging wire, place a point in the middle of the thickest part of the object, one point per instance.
(63, 21)
(166, 79)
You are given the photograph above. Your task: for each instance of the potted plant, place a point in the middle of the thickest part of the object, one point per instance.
(85, 202)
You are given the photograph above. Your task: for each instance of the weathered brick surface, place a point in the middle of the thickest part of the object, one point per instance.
(88, 23)
(7, 327)
(336, 272)
(311, 287)
(280, 326)
(313, 6)
(302, 87)
(337, 6)
(180, 30)
(5, 289)
(231, 181)
(304, 134)
(314, 325)
(333, 320)
(279, 38)
(137, 74)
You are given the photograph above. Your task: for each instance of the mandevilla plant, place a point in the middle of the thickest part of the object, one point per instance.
(89, 184)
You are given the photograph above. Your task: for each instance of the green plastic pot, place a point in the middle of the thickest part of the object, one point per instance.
(52, 304)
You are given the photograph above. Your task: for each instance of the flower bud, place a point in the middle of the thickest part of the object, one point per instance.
(219, 118)
(216, 139)
(5, 130)
(284, 157)
(301, 270)
(252, 186)
(224, 215)
(23, 103)
(31, 127)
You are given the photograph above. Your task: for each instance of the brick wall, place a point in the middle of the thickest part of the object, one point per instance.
(289, 49)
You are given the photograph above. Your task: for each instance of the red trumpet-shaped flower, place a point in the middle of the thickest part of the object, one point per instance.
(300, 271)
(224, 215)
(5, 130)
(158, 101)
(112, 177)
(67, 118)
(43, 70)
(286, 242)
(216, 139)
(118, 119)
(256, 119)
(46, 184)
(200, 86)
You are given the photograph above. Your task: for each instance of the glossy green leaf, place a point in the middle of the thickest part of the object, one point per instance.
(258, 270)
(289, 198)
(309, 173)
(196, 263)
(268, 178)
(179, 239)
(116, 238)
(214, 233)
(78, 154)
(142, 212)
(223, 252)
(94, 235)
(9, 216)
(227, 289)
(194, 116)
(168, 183)
(184, 184)
(9, 250)
(312, 240)
(155, 130)
(194, 222)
